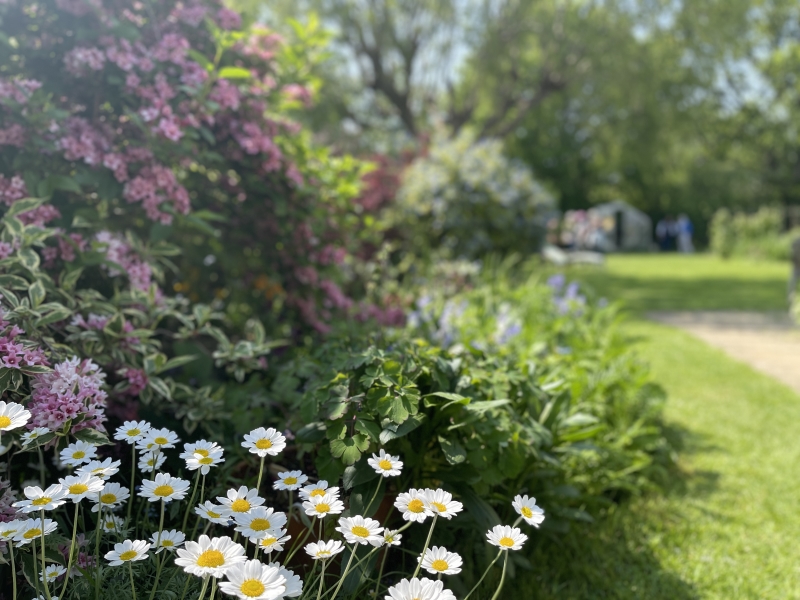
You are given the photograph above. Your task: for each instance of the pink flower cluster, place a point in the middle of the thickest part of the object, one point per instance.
(13, 135)
(13, 189)
(80, 59)
(73, 390)
(118, 251)
(93, 321)
(83, 142)
(18, 90)
(13, 353)
(137, 381)
(154, 185)
(7, 510)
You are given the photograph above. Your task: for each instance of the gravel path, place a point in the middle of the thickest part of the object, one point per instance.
(769, 342)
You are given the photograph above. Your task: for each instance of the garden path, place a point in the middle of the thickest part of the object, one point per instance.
(767, 341)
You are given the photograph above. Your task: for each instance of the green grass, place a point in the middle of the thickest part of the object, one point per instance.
(687, 282)
(727, 528)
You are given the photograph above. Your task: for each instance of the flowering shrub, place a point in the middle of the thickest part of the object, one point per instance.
(759, 235)
(469, 199)
(122, 550)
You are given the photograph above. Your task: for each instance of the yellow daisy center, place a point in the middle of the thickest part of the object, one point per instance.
(78, 488)
(416, 506)
(240, 505)
(252, 588)
(111, 525)
(79, 454)
(317, 492)
(202, 452)
(506, 542)
(163, 491)
(322, 508)
(359, 531)
(128, 555)
(439, 506)
(32, 533)
(160, 441)
(259, 525)
(211, 558)
(439, 565)
(385, 464)
(108, 498)
(167, 543)
(206, 461)
(263, 444)
(290, 480)
(267, 542)
(5, 421)
(324, 553)
(41, 501)
(212, 514)
(133, 432)
(526, 512)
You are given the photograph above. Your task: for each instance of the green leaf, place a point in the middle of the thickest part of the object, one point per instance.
(178, 361)
(311, 433)
(92, 436)
(36, 293)
(69, 279)
(349, 450)
(29, 258)
(370, 428)
(39, 441)
(234, 73)
(453, 451)
(58, 313)
(201, 60)
(358, 473)
(14, 282)
(15, 226)
(23, 206)
(160, 387)
(394, 431)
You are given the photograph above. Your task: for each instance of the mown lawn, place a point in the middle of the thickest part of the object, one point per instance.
(727, 526)
(687, 282)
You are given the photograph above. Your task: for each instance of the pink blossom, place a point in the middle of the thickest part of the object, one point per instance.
(171, 48)
(225, 94)
(192, 15)
(228, 19)
(79, 7)
(80, 59)
(193, 74)
(295, 91)
(293, 175)
(6, 250)
(18, 90)
(12, 189)
(40, 215)
(169, 129)
(13, 135)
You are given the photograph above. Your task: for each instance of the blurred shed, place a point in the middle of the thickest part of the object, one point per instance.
(624, 227)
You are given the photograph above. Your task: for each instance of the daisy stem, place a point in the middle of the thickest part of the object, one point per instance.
(130, 570)
(355, 566)
(375, 495)
(425, 549)
(160, 558)
(186, 586)
(191, 501)
(300, 541)
(41, 465)
(133, 484)
(213, 588)
(44, 565)
(97, 553)
(160, 525)
(291, 503)
(517, 521)
(260, 473)
(321, 580)
(502, 577)
(346, 571)
(203, 589)
(71, 550)
(380, 571)
(484, 575)
(36, 567)
(13, 569)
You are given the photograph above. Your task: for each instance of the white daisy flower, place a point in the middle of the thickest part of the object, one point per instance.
(441, 503)
(39, 499)
(360, 530)
(201, 447)
(386, 464)
(77, 453)
(264, 442)
(151, 461)
(259, 521)
(52, 572)
(419, 589)
(322, 506)
(31, 529)
(111, 496)
(527, 509)
(100, 468)
(506, 537)
(127, 551)
(158, 438)
(31, 436)
(132, 431)
(273, 542)
(253, 580)
(80, 486)
(324, 550)
(170, 540)
(211, 512)
(413, 505)
(13, 415)
(318, 489)
(10, 529)
(209, 556)
(204, 462)
(438, 560)
(113, 523)
(164, 487)
(239, 501)
(290, 480)
(391, 537)
(294, 585)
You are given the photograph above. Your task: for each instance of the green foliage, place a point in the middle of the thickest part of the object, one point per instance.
(759, 235)
(466, 198)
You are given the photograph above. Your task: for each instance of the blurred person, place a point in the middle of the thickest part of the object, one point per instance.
(662, 234)
(685, 232)
(795, 270)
